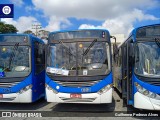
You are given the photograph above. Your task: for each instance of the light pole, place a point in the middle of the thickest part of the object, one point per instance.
(36, 26)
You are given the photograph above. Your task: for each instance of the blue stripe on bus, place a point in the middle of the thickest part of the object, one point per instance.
(93, 89)
(27, 81)
(152, 88)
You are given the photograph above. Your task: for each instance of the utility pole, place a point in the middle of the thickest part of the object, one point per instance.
(36, 26)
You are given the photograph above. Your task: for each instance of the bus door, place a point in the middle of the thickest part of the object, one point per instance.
(130, 61)
(39, 57)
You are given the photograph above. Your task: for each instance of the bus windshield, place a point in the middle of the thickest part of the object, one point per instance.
(14, 61)
(148, 59)
(79, 58)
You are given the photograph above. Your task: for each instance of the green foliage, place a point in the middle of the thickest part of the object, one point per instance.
(7, 28)
(28, 32)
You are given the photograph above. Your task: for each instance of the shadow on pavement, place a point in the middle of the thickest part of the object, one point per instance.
(24, 106)
(75, 107)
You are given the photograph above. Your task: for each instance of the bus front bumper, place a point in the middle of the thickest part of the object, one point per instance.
(25, 97)
(85, 98)
(143, 102)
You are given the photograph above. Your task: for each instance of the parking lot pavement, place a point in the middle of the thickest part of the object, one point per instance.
(96, 111)
(116, 105)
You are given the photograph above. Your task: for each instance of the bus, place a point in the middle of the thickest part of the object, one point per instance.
(137, 68)
(22, 68)
(78, 67)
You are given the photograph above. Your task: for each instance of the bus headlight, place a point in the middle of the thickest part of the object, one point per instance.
(49, 88)
(25, 89)
(153, 95)
(146, 92)
(105, 89)
(139, 88)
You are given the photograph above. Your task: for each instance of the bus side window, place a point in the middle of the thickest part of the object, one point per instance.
(39, 55)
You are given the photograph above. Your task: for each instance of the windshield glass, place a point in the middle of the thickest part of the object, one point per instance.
(14, 61)
(80, 58)
(148, 59)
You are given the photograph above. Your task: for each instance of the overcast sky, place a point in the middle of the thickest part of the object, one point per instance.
(118, 16)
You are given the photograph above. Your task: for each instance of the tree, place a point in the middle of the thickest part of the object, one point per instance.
(7, 28)
(1, 27)
(43, 34)
(28, 32)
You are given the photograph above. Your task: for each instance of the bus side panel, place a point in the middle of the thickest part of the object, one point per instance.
(124, 71)
(39, 73)
(130, 59)
(38, 89)
(34, 96)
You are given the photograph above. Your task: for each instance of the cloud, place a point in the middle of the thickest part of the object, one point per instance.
(18, 3)
(118, 16)
(91, 9)
(56, 23)
(22, 23)
(122, 24)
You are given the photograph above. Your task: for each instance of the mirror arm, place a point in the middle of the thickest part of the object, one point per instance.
(114, 38)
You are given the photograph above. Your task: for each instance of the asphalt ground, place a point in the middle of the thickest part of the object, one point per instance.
(73, 111)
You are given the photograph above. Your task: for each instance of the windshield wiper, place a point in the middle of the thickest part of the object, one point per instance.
(157, 41)
(13, 54)
(89, 47)
(68, 50)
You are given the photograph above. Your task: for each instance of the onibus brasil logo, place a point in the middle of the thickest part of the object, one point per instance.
(6, 10)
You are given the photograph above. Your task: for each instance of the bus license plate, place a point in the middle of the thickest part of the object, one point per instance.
(1, 95)
(75, 96)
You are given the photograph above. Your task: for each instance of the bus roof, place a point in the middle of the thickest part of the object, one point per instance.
(61, 31)
(134, 31)
(28, 35)
(79, 34)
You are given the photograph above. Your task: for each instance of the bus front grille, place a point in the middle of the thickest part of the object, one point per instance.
(7, 99)
(152, 81)
(77, 83)
(156, 83)
(7, 84)
(77, 99)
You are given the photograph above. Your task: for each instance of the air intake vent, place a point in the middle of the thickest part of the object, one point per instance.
(7, 99)
(77, 99)
(152, 81)
(77, 83)
(7, 84)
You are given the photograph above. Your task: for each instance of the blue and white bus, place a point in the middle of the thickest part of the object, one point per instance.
(78, 67)
(137, 68)
(22, 64)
